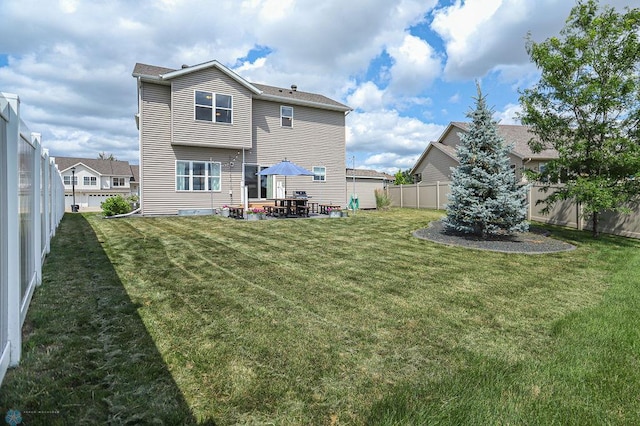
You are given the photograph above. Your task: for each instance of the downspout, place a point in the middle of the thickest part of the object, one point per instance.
(140, 153)
(245, 198)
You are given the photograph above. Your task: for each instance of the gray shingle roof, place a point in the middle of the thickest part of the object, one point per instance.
(149, 70)
(104, 167)
(368, 174)
(135, 172)
(296, 95)
(519, 136)
(268, 92)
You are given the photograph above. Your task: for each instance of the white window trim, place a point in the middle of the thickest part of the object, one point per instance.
(75, 180)
(282, 107)
(190, 176)
(324, 176)
(212, 107)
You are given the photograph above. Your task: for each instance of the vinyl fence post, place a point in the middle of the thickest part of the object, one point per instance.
(10, 279)
(36, 219)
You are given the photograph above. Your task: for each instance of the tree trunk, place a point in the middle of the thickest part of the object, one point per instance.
(594, 220)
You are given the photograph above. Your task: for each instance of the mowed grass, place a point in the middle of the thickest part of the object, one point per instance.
(349, 321)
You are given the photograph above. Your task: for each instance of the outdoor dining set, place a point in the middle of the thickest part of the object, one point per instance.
(296, 205)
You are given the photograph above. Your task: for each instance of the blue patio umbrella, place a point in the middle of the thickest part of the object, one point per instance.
(286, 168)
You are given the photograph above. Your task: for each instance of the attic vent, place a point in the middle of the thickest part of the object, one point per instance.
(185, 66)
(294, 87)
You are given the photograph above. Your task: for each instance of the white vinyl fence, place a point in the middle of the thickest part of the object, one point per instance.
(31, 207)
(566, 213)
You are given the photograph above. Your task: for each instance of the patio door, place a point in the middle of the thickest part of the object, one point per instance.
(259, 187)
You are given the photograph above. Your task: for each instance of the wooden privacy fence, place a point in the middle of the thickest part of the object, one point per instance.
(566, 213)
(31, 207)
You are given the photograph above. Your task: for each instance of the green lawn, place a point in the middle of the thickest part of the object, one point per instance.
(337, 321)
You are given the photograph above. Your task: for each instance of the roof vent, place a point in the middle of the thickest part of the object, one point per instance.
(185, 66)
(294, 87)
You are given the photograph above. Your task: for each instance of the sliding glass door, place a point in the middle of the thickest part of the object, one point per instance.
(260, 187)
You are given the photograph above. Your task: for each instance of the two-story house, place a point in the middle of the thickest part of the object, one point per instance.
(205, 134)
(434, 165)
(92, 180)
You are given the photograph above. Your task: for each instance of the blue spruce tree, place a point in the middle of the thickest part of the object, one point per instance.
(485, 197)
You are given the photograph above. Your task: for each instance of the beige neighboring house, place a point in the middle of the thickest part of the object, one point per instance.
(96, 180)
(434, 165)
(205, 132)
(363, 183)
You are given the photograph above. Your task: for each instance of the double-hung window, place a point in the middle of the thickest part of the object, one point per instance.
(198, 176)
(118, 181)
(67, 180)
(213, 107)
(90, 181)
(286, 116)
(319, 173)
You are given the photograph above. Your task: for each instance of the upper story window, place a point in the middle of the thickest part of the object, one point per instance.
(319, 173)
(118, 181)
(67, 180)
(213, 107)
(90, 181)
(286, 116)
(198, 176)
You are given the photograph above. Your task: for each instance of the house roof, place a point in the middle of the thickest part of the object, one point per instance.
(163, 75)
(102, 167)
(368, 174)
(516, 135)
(135, 173)
(519, 136)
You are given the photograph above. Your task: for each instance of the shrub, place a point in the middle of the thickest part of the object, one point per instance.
(115, 205)
(382, 199)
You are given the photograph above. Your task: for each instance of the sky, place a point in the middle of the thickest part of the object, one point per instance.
(407, 68)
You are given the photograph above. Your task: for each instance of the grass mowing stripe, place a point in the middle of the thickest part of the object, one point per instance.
(228, 271)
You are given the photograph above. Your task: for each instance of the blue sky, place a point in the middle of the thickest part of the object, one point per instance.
(407, 67)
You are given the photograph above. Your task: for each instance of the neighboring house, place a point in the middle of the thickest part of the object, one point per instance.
(434, 165)
(205, 133)
(363, 183)
(96, 180)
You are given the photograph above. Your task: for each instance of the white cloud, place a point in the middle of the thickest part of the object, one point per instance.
(367, 97)
(482, 34)
(390, 162)
(416, 65)
(387, 131)
(508, 115)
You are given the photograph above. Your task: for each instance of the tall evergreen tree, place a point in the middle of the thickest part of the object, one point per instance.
(485, 197)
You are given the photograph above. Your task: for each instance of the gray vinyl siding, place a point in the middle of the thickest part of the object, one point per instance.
(317, 138)
(436, 167)
(158, 157)
(189, 131)
(452, 139)
(155, 133)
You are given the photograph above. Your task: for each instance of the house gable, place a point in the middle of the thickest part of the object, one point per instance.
(438, 157)
(187, 130)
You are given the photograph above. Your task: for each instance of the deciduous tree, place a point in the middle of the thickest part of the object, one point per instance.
(587, 106)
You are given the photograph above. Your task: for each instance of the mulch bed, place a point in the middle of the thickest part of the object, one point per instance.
(536, 241)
